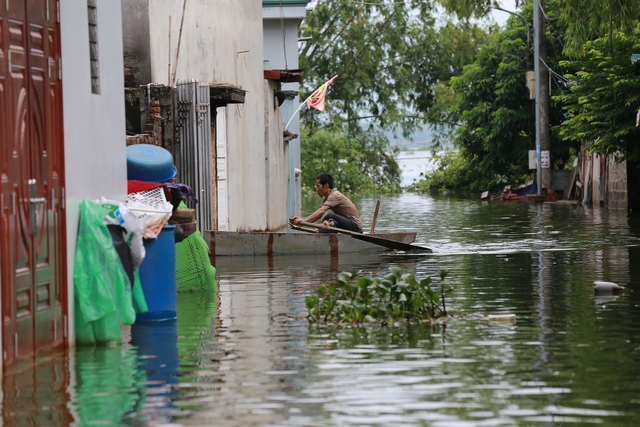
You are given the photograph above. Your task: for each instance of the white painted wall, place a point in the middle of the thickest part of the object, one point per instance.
(94, 125)
(276, 161)
(221, 42)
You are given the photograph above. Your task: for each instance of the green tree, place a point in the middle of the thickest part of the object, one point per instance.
(605, 96)
(345, 157)
(496, 115)
(391, 60)
(589, 20)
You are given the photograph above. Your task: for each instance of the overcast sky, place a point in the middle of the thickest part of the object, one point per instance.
(501, 17)
(498, 16)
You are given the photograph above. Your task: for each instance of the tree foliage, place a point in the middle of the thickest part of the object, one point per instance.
(399, 68)
(391, 59)
(494, 107)
(589, 20)
(605, 96)
(461, 174)
(496, 117)
(496, 114)
(389, 56)
(354, 166)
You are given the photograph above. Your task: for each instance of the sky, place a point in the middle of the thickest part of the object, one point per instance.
(501, 17)
(498, 16)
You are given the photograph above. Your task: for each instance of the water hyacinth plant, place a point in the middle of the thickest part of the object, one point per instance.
(354, 299)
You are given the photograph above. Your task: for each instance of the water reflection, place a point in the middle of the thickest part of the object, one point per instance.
(459, 226)
(37, 394)
(109, 387)
(157, 349)
(247, 357)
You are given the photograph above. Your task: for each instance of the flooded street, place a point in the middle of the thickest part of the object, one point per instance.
(248, 357)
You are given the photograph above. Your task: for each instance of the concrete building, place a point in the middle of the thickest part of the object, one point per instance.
(220, 44)
(281, 24)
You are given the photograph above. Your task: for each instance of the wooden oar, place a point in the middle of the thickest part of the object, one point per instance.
(375, 217)
(391, 244)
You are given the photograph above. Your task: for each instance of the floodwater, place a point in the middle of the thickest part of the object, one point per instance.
(247, 357)
(414, 165)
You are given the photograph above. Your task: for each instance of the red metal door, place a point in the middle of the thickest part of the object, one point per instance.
(32, 247)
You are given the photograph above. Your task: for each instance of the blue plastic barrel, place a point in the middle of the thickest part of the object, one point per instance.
(158, 276)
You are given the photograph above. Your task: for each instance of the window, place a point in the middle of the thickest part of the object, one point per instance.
(92, 10)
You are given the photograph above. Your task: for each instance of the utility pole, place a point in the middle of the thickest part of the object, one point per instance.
(545, 128)
(536, 71)
(543, 136)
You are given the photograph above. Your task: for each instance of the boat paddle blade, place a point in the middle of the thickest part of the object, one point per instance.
(391, 244)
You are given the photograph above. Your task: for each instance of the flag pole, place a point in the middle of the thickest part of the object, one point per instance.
(296, 112)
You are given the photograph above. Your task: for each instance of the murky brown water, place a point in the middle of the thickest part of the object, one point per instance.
(247, 357)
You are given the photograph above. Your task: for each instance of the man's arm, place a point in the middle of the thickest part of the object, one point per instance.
(311, 218)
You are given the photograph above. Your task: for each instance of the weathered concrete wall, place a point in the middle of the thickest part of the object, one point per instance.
(276, 160)
(222, 43)
(94, 125)
(280, 27)
(604, 179)
(616, 193)
(135, 40)
(275, 37)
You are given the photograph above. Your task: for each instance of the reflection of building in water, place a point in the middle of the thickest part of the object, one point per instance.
(611, 265)
(254, 369)
(262, 334)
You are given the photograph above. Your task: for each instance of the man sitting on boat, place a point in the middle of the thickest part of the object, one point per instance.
(344, 213)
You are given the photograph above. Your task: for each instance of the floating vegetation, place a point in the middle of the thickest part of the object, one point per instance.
(354, 299)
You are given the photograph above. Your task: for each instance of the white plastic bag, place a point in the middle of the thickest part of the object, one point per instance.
(121, 215)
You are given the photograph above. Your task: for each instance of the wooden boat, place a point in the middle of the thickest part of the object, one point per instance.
(252, 243)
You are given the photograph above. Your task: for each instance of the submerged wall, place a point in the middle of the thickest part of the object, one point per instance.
(616, 193)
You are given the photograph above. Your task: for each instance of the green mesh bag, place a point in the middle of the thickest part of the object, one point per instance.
(194, 272)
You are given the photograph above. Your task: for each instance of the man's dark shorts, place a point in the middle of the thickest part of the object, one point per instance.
(342, 222)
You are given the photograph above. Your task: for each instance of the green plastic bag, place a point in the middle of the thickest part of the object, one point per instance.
(139, 302)
(103, 292)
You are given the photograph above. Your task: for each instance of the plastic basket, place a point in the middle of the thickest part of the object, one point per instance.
(152, 200)
(152, 209)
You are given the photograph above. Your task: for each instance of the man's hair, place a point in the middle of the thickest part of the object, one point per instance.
(325, 178)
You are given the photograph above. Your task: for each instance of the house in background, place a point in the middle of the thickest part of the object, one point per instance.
(282, 20)
(219, 45)
(61, 141)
